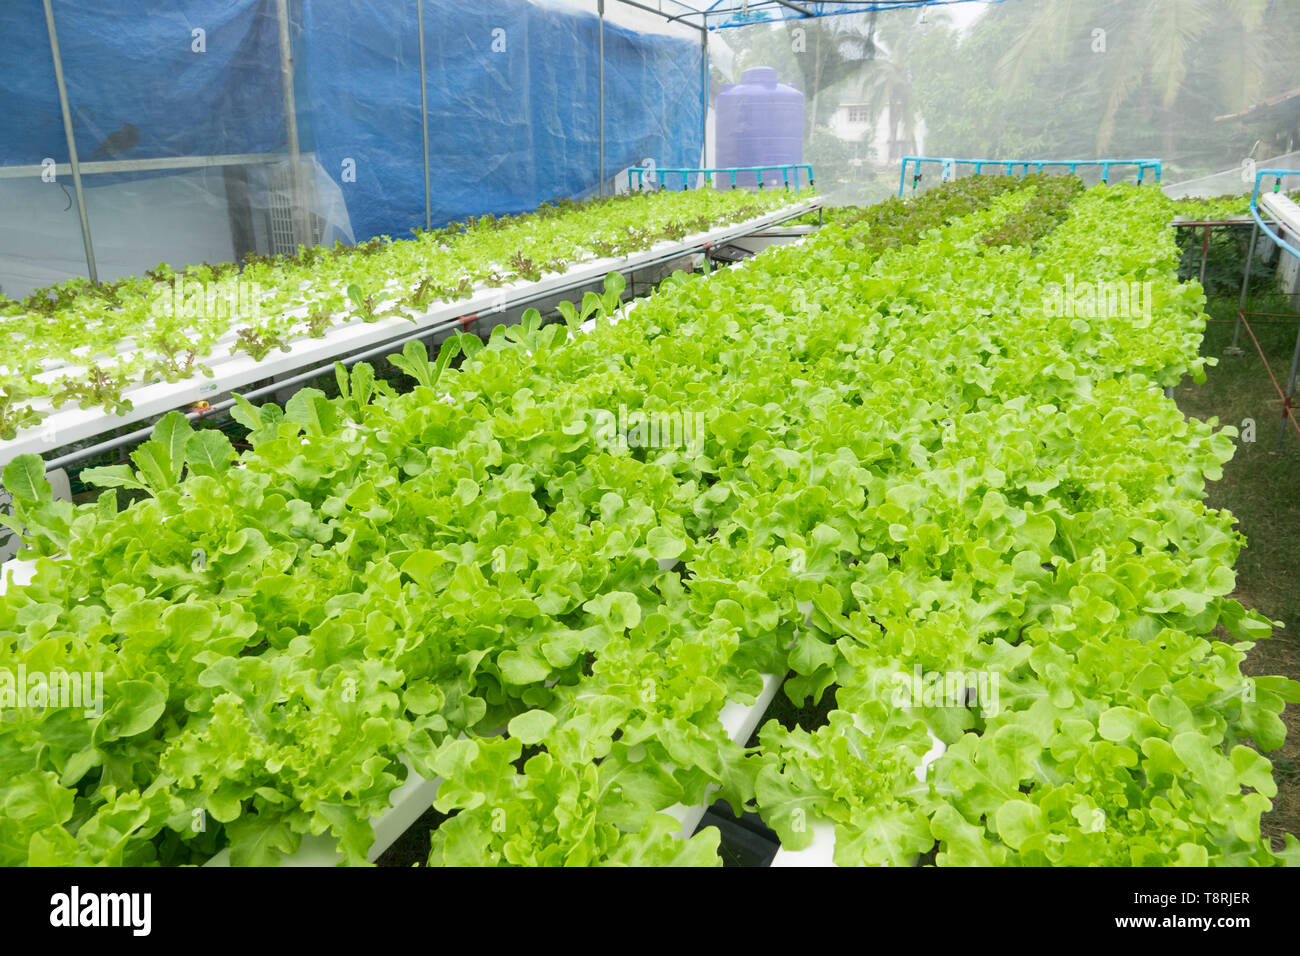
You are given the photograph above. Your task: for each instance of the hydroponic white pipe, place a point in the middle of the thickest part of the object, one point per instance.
(232, 372)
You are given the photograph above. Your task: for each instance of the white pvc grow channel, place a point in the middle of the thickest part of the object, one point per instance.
(797, 236)
(231, 372)
(416, 795)
(821, 852)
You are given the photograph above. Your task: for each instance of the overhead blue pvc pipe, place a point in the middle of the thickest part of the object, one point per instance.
(1155, 165)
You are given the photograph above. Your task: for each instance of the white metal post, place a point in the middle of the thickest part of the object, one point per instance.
(302, 234)
(600, 10)
(424, 112)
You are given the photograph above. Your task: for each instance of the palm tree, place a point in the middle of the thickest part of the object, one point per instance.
(833, 48)
(887, 88)
(1155, 44)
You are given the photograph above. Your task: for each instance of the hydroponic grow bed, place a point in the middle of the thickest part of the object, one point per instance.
(232, 368)
(915, 461)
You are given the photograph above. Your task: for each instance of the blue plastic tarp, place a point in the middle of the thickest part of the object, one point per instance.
(137, 87)
(513, 98)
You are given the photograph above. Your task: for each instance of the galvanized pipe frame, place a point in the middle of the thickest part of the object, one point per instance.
(1207, 224)
(659, 11)
(76, 168)
(424, 113)
(707, 172)
(600, 12)
(704, 97)
(1284, 247)
(798, 11)
(145, 165)
(302, 230)
(1287, 395)
(72, 141)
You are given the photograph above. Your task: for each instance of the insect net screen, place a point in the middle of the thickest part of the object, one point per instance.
(1207, 86)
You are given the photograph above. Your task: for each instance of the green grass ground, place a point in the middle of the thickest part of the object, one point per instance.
(1262, 490)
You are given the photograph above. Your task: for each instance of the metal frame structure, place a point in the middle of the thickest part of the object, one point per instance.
(784, 168)
(424, 113)
(702, 15)
(728, 14)
(1285, 215)
(724, 14)
(76, 168)
(1206, 225)
(72, 142)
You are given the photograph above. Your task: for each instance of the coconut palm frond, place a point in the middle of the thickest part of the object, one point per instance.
(1042, 39)
(1128, 71)
(1171, 30)
(1249, 13)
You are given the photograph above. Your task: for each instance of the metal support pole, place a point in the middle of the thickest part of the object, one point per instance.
(72, 142)
(301, 232)
(1205, 252)
(1290, 394)
(424, 112)
(1234, 349)
(704, 96)
(600, 9)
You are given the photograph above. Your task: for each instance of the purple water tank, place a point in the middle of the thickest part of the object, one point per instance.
(760, 122)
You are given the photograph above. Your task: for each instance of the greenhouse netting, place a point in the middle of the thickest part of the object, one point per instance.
(1209, 87)
(226, 128)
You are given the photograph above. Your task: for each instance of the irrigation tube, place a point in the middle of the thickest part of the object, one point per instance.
(394, 343)
(949, 162)
(1282, 243)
